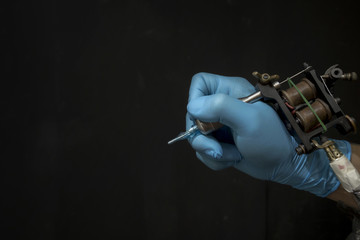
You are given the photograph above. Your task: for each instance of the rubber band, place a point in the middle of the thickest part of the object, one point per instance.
(291, 84)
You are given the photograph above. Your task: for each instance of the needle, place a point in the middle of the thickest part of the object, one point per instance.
(184, 135)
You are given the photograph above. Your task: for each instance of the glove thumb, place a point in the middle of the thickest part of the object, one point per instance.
(220, 108)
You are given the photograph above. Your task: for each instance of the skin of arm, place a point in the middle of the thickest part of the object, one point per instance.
(340, 194)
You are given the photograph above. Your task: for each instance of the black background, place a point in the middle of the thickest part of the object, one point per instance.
(93, 90)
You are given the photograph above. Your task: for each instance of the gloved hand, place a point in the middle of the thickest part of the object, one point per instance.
(254, 140)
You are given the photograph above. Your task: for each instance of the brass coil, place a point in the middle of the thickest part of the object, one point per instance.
(308, 119)
(306, 87)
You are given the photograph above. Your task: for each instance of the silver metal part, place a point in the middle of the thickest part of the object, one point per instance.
(295, 75)
(184, 135)
(326, 87)
(252, 97)
(276, 85)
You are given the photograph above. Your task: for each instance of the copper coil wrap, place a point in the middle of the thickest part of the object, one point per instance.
(306, 87)
(308, 119)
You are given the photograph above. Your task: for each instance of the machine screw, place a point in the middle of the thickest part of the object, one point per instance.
(300, 149)
(265, 78)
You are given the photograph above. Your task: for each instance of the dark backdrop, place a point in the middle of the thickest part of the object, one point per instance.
(93, 90)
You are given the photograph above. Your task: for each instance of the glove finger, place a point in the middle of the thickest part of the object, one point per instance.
(224, 109)
(203, 84)
(231, 156)
(223, 134)
(205, 144)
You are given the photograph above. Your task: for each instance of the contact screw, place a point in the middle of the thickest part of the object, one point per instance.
(350, 76)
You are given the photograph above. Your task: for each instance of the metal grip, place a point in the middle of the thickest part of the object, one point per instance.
(208, 127)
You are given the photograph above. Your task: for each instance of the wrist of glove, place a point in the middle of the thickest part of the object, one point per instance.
(254, 139)
(311, 172)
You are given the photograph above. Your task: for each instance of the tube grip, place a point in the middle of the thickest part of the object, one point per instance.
(208, 127)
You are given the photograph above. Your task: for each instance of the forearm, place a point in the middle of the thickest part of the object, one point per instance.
(340, 194)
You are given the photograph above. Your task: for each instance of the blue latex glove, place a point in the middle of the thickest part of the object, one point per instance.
(255, 140)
